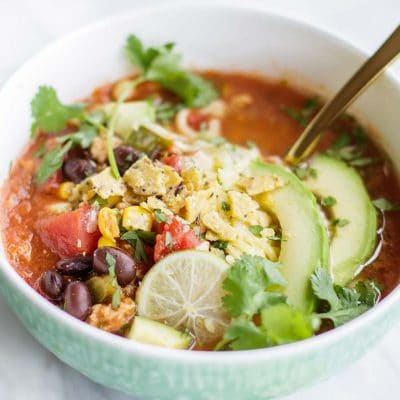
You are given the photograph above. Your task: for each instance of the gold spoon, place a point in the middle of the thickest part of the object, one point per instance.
(356, 85)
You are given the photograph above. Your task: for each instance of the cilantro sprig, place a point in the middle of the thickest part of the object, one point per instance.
(116, 298)
(161, 64)
(303, 115)
(344, 304)
(262, 316)
(53, 160)
(137, 239)
(49, 114)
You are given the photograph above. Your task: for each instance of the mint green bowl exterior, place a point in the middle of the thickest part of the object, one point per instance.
(74, 65)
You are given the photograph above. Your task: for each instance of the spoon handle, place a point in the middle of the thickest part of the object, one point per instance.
(367, 73)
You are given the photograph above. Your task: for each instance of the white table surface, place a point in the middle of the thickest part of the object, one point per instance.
(27, 370)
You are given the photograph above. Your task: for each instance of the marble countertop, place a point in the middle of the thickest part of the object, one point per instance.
(27, 370)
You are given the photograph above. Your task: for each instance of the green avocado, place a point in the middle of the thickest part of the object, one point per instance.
(158, 334)
(304, 244)
(354, 239)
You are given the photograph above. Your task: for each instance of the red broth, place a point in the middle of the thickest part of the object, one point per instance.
(258, 112)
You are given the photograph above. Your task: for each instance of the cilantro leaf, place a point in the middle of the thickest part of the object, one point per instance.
(220, 244)
(160, 216)
(51, 162)
(280, 324)
(243, 335)
(328, 201)
(345, 303)
(322, 285)
(162, 65)
(225, 206)
(341, 316)
(304, 115)
(383, 204)
(303, 171)
(165, 111)
(256, 230)
(283, 324)
(339, 222)
(247, 284)
(369, 292)
(49, 114)
(136, 239)
(82, 138)
(116, 298)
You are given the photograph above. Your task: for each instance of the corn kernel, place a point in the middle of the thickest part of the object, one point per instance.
(113, 200)
(136, 217)
(65, 190)
(104, 241)
(108, 223)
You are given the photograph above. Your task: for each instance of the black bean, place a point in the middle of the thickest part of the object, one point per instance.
(125, 266)
(125, 156)
(77, 300)
(77, 169)
(78, 266)
(51, 284)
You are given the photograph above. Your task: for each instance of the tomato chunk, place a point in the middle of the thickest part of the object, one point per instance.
(174, 237)
(195, 120)
(71, 233)
(173, 160)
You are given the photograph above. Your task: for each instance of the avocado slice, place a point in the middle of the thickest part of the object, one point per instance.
(305, 242)
(147, 331)
(351, 245)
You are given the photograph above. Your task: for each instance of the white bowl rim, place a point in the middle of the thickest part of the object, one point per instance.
(140, 349)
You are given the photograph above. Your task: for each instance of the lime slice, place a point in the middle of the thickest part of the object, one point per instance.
(184, 290)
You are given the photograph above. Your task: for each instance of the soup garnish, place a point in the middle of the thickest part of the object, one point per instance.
(158, 210)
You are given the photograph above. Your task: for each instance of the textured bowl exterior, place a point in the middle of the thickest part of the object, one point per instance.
(152, 377)
(76, 64)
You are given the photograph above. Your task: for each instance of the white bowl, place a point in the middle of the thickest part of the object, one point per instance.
(210, 35)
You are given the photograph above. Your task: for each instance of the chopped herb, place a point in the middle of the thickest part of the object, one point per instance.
(116, 298)
(51, 162)
(344, 303)
(83, 138)
(256, 230)
(161, 64)
(110, 260)
(304, 172)
(338, 222)
(220, 244)
(304, 115)
(40, 152)
(364, 161)
(166, 111)
(328, 201)
(49, 114)
(168, 240)
(225, 206)
(383, 204)
(344, 150)
(161, 217)
(136, 239)
(251, 284)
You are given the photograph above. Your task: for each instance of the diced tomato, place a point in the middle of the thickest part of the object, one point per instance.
(173, 160)
(70, 233)
(195, 120)
(175, 236)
